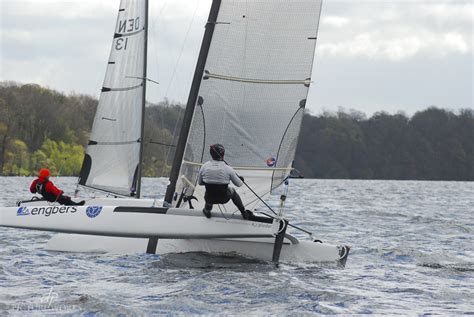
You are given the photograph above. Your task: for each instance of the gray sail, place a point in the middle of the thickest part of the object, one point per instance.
(253, 92)
(112, 157)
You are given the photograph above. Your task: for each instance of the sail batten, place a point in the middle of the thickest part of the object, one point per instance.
(107, 89)
(117, 35)
(112, 160)
(257, 80)
(113, 143)
(253, 93)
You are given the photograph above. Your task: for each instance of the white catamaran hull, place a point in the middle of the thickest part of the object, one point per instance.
(128, 229)
(261, 249)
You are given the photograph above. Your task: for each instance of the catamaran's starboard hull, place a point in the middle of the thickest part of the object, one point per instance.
(126, 229)
(128, 221)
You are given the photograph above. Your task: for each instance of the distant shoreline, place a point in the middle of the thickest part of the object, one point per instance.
(40, 127)
(297, 180)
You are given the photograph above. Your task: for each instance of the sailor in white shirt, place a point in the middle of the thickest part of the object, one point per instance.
(216, 175)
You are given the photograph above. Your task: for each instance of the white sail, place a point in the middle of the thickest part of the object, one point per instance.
(253, 92)
(112, 158)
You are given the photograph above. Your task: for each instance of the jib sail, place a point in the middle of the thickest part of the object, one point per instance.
(112, 160)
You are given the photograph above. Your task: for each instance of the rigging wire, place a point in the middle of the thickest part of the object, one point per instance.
(183, 45)
(143, 78)
(223, 215)
(173, 141)
(155, 30)
(175, 68)
(161, 143)
(267, 205)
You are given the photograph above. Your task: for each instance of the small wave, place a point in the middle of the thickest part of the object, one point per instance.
(460, 267)
(400, 253)
(204, 260)
(444, 222)
(410, 290)
(88, 304)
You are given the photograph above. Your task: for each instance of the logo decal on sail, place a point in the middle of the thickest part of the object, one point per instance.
(271, 161)
(93, 211)
(22, 211)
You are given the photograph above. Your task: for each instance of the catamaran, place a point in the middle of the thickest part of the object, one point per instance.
(248, 92)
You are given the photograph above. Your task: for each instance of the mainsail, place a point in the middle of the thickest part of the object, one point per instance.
(113, 156)
(253, 93)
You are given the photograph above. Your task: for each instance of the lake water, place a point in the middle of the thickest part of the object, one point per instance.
(412, 253)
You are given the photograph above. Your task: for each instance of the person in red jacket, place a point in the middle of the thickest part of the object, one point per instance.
(43, 186)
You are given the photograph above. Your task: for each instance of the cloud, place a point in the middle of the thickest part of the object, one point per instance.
(398, 47)
(396, 31)
(70, 9)
(335, 21)
(396, 54)
(65, 44)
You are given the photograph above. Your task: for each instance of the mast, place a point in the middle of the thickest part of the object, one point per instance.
(142, 134)
(193, 96)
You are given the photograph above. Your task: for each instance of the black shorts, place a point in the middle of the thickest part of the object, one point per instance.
(218, 194)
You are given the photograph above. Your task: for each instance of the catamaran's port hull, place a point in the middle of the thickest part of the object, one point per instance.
(261, 249)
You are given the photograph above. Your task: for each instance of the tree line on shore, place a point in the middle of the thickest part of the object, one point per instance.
(42, 127)
(434, 144)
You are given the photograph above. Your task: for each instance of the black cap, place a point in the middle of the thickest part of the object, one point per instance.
(217, 152)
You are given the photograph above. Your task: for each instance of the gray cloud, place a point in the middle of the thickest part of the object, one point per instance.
(371, 55)
(398, 30)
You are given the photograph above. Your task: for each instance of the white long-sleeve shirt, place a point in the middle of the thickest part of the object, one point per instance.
(218, 172)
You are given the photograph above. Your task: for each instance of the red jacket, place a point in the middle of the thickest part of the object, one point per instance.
(49, 188)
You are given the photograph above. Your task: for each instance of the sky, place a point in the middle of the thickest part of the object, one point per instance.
(385, 55)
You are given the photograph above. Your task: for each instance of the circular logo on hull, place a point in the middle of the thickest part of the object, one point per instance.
(93, 211)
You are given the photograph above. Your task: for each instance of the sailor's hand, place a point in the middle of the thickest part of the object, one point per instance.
(242, 178)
